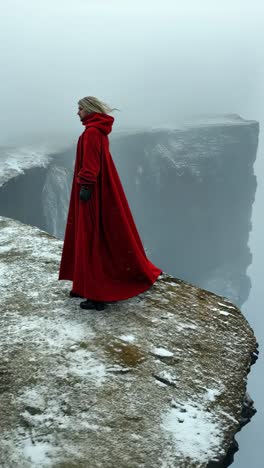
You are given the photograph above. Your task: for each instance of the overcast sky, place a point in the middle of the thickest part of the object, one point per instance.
(156, 60)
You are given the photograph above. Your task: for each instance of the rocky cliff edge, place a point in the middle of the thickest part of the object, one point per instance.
(157, 381)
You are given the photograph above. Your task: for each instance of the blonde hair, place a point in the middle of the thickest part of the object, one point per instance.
(92, 104)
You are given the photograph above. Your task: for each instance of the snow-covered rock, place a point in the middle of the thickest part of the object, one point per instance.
(15, 161)
(155, 381)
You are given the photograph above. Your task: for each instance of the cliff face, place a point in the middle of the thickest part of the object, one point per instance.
(191, 191)
(35, 190)
(158, 380)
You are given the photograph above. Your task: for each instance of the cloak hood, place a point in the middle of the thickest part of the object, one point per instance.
(103, 122)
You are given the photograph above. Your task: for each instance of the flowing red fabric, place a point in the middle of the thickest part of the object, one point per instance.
(102, 253)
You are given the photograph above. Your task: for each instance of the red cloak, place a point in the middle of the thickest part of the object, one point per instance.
(102, 253)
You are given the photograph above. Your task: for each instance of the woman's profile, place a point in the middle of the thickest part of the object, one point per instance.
(102, 253)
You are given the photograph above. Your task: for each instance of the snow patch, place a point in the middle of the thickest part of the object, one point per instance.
(37, 453)
(227, 306)
(128, 338)
(160, 384)
(212, 393)
(188, 326)
(33, 397)
(84, 365)
(162, 352)
(195, 432)
(221, 312)
(167, 376)
(57, 334)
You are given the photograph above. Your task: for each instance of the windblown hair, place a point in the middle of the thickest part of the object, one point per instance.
(92, 104)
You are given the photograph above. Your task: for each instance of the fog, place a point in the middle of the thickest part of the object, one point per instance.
(159, 62)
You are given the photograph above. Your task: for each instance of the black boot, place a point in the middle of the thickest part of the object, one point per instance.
(92, 305)
(100, 305)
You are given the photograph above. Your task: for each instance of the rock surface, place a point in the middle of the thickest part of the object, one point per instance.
(157, 381)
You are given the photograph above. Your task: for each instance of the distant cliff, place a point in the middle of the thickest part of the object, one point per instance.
(191, 191)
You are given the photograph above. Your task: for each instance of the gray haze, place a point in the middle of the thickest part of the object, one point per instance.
(158, 61)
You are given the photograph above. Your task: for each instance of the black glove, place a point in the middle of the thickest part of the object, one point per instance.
(85, 193)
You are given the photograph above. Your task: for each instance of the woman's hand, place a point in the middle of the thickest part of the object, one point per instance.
(85, 193)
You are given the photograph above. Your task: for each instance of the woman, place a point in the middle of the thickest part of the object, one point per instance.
(102, 253)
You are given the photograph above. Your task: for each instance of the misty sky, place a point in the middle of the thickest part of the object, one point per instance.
(157, 61)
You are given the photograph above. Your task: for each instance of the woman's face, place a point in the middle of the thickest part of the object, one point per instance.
(82, 113)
